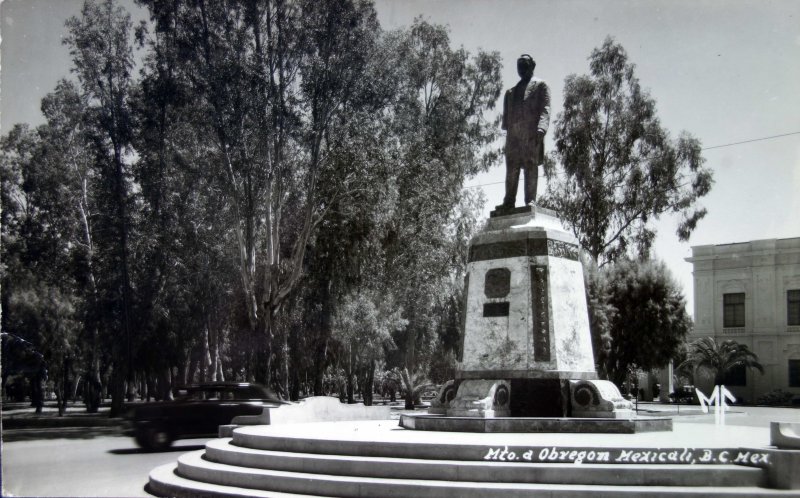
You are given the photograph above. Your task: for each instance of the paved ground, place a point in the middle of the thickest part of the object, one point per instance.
(99, 466)
(748, 416)
(76, 409)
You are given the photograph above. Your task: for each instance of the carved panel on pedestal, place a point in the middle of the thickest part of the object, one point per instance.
(497, 283)
(541, 320)
(561, 249)
(522, 248)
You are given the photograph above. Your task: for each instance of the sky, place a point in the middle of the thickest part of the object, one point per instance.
(724, 71)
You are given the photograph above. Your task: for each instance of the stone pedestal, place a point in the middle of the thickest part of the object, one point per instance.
(526, 314)
(598, 399)
(441, 402)
(481, 398)
(526, 323)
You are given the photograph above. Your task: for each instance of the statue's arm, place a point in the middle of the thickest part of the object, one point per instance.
(544, 118)
(504, 124)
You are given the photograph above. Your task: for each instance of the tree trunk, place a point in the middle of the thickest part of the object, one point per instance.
(150, 385)
(321, 343)
(206, 363)
(192, 371)
(284, 362)
(61, 391)
(219, 374)
(320, 357)
(183, 371)
(262, 369)
(163, 387)
(122, 225)
(295, 387)
(117, 393)
(92, 386)
(130, 393)
(369, 379)
(409, 399)
(408, 384)
(351, 399)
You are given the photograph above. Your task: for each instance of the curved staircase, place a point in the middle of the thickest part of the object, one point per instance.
(259, 462)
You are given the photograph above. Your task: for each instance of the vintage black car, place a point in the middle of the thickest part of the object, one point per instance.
(197, 411)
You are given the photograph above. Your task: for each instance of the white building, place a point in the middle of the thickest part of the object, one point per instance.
(750, 292)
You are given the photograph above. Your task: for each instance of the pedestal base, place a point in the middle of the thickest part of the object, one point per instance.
(442, 401)
(482, 399)
(598, 399)
(528, 425)
(558, 398)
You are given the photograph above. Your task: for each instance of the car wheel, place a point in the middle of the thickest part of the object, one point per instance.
(154, 438)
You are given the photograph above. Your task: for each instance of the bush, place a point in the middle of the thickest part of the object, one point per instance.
(777, 397)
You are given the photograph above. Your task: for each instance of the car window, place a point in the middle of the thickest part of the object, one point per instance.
(190, 395)
(253, 392)
(226, 393)
(248, 392)
(219, 394)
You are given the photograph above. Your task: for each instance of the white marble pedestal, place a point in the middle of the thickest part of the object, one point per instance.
(526, 322)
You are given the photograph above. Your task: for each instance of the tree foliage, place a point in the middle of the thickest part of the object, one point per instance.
(42, 240)
(601, 313)
(615, 168)
(99, 41)
(278, 182)
(403, 226)
(363, 328)
(443, 134)
(719, 358)
(270, 83)
(650, 321)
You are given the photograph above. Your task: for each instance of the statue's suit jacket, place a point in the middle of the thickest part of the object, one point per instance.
(526, 110)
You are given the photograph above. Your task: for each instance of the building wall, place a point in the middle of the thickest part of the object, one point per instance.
(764, 270)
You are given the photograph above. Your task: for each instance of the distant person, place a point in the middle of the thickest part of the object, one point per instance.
(526, 116)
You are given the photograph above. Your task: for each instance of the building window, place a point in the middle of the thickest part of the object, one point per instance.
(793, 307)
(794, 373)
(736, 376)
(733, 310)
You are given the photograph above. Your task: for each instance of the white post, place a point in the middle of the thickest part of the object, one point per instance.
(718, 398)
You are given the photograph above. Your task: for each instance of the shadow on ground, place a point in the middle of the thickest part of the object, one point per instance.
(178, 448)
(11, 435)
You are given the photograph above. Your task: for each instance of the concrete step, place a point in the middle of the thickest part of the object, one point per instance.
(222, 451)
(194, 467)
(462, 447)
(165, 482)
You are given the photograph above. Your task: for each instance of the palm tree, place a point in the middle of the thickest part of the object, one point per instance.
(413, 385)
(719, 358)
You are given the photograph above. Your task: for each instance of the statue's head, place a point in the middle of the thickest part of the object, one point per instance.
(525, 66)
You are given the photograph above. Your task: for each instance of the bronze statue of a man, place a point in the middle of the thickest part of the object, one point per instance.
(526, 116)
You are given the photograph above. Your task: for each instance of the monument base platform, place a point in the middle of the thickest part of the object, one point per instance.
(531, 398)
(536, 424)
(377, 458)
